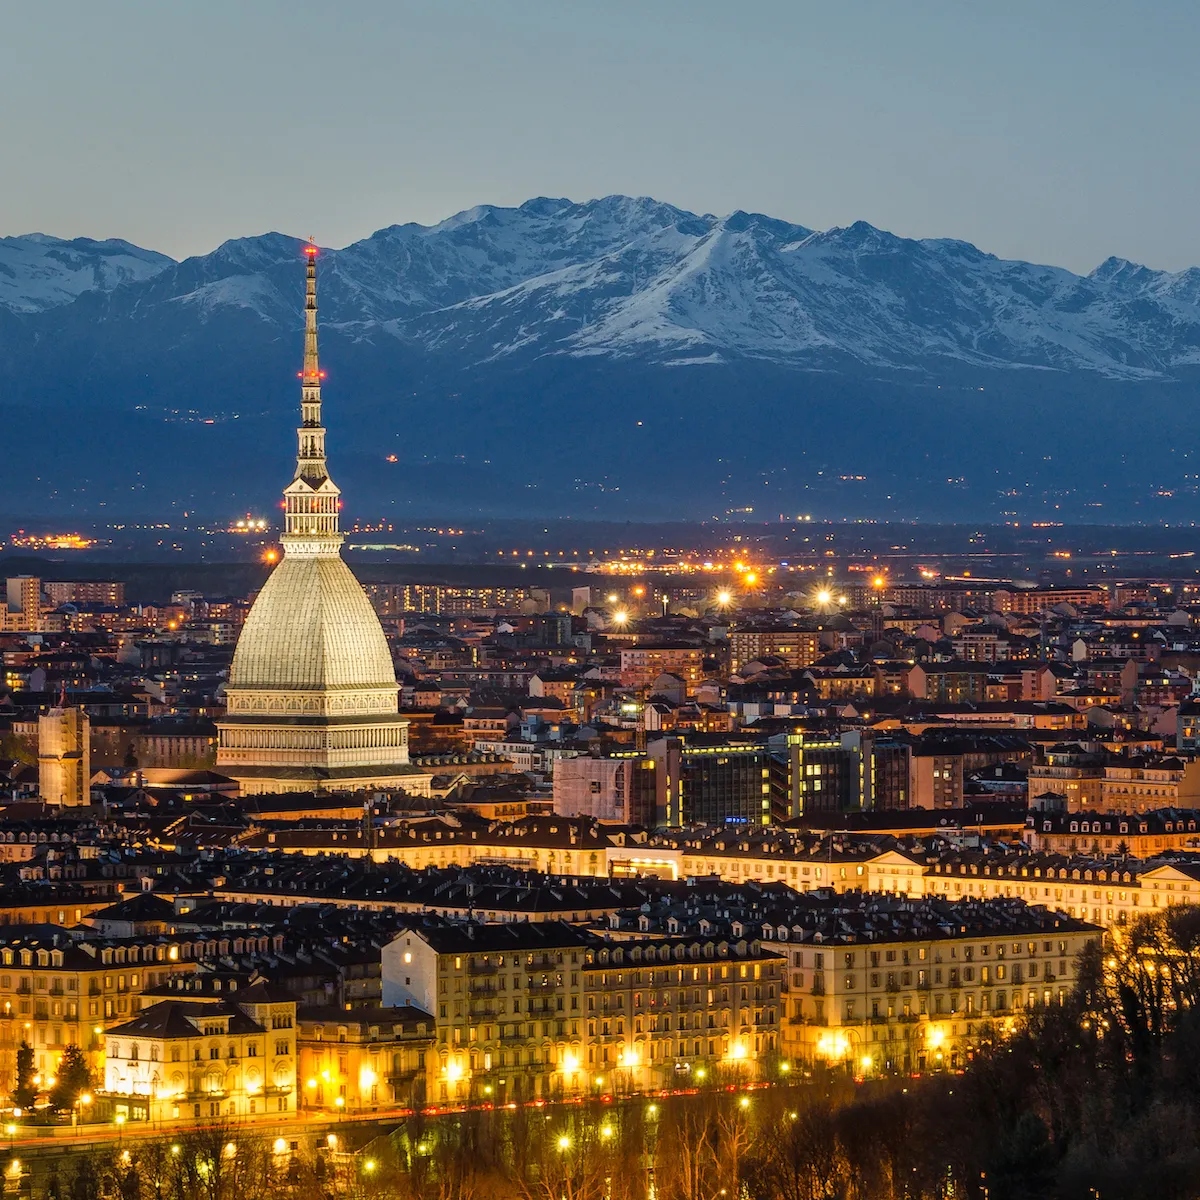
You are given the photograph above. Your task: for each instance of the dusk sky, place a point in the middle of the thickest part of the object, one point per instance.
(1060, 132)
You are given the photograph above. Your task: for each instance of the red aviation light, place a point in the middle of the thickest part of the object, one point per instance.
(310, 250)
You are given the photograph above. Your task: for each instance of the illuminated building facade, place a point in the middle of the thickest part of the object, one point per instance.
(203, 1057)
(665, 1010)
(363, 1059)
(882, 1004)
(797, 648)
(64, 757)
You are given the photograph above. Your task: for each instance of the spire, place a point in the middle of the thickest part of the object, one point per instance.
(311, 499)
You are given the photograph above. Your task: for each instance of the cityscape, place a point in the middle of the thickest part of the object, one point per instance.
(732, 730)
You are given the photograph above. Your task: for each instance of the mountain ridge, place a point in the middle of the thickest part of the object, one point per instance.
(634, 276)
(639, 354)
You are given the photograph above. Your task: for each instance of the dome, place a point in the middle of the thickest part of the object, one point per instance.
(312, 628)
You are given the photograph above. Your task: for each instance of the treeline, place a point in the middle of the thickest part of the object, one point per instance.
(1097, 1098)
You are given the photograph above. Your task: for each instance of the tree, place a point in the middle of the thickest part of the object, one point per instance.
(72, 1079)
(24, 1093)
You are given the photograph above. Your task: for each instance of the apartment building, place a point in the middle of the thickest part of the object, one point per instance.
(661, 1012)
(796, 648)
(922, 992)
(360, 1058)
(507, 1003)
(642, 665)
(221, 1052)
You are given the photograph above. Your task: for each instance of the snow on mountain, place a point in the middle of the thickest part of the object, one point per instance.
(38, 272)
(667, 285)
(635, 279)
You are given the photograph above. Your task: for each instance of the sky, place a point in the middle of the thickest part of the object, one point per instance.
(1060, 131)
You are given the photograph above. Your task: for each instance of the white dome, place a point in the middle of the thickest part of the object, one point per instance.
(312, 628)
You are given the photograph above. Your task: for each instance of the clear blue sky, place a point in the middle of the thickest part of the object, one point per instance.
(1059, 131)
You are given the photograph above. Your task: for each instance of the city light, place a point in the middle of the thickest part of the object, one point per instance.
(724, 598)
(620, 617)
(833, 1045)
(280, 1145)
(564, 1142)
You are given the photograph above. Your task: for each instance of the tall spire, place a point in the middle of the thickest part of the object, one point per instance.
(312, 499)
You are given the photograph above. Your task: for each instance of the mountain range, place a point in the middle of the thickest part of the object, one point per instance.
(600, 358)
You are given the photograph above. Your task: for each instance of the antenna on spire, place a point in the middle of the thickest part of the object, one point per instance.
(311, 499)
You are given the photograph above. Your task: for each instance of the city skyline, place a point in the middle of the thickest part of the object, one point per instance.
(732, 728)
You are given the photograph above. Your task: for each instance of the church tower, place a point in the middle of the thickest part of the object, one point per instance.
(312, 699)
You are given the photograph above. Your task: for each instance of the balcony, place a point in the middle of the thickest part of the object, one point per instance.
(481, 968)
(481, 987)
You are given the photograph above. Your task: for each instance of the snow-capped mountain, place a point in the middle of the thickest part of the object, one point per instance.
(634, 278)
(39, 272)
(493, 330)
